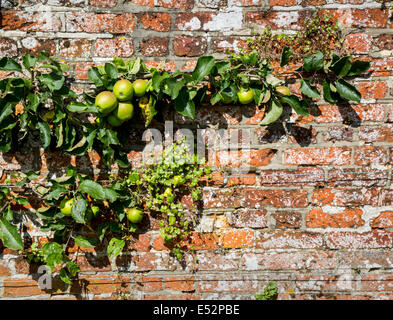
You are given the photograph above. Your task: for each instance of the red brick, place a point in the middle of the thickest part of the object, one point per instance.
(93, 263)
(245, 158)
(148, 284)
(141, 242)
(282, 3)
(384, 220)
(350, 114)
(74, 48)
(376, 282)
(8, 47)
(345, 197)
(386, 197)
(154, 47)
(157, 21)
(349, 218)
(358, 43)
(228, 283)
(300, 177)
(375, 239)
(237, 238)
(177, 4)
(173, 297)
(121, 47)
(231, 44)
(373, 89)
(184, 284)
(81, 69)
(30, 21)
(256, 198)
(315, 156)
(288, 239)
(149, 261)
(247, 218)
(189, 46)
(367, 155)
(213, 261)
(4, 268)
(275, 19)
(241, 179)
(100, 22)
(101, 283)
(29, 288)
(362, 177)
(247, 3)
(385, 42)
(338, 134)
(103, 3)
(288, 219)
(221, 198)
(361, 18)
(306, 3)
(34, 46)
(382, 133)
(382, 67)
(145, 3)
(201, 241)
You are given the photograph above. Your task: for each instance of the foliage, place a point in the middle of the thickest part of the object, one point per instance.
(320, 32)
(269, 292)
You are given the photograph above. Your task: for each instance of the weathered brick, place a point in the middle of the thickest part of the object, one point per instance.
(384, 42)
(105, 22)
(382, 133)
(300, 177)
(157, 21)
(363, 18)
(228, 284)
(366, 240)
(315, 156)
(284, 3)
(30, 21)
(8, 47)
(74, 48)
(345, 197)
(256, 198)
(179, 4)
(351, 114)
(184, 284)
(249, 219)
(154, 47)
(384, 220)
(237, 238)
(244, 158)
(367, 155)
(103, 3)
(288, 219)
(34, 46)
(281, 239)
(121, 47)
(189, 46)
(148, 284)
(231, 44)
(338, 134)
(363, 177)
(358, 43)
(349, 218)
(373, 89)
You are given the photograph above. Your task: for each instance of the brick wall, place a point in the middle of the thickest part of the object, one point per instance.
(315, 214)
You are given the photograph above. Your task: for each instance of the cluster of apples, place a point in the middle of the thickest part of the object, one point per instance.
(116, 105)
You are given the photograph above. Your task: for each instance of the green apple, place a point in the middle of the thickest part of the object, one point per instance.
(123, 90)
(124, 111)
(114, 121)
(66, 206)
(106, 102)
(140, 87)
(134, 215)
(245, 96)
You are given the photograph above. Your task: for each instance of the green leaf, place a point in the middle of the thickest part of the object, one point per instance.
(10, 235)
(115, 247)
(175, 87)
(79, 209)
(136, 66)
(285, 55)
(29, 61)
(44, 133)
(95, 76)
(53, 254)
(273, 113)
(8, 64)
(93, 189)
(53, 80)
(184, 105)
(300, 106)
(111, 71)
(223, 66)
(86, 242)
(328, 95)
(313, 62)
(73, 268)
(358, 67)
(64, 276)
(342, 66)
(203, 68)
(110, 194)
(309, 90)
(158, 79)
(82, 108)
(347, 91)
(8, 214)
